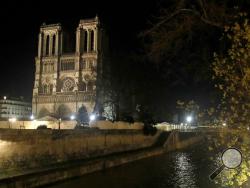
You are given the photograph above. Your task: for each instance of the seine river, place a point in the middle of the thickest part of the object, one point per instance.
(185, 169)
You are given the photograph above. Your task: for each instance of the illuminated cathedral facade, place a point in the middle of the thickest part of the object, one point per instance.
(66, 82)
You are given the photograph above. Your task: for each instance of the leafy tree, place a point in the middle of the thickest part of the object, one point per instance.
(181, 42)
(82, 116)
(232, 73)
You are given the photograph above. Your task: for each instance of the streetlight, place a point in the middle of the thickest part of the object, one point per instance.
(32, 117)
(59, 123)
(4, 97)
(189, 119)
(72, 117)
(92, 117)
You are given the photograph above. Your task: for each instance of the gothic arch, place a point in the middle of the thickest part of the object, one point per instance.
(83, 86)
(92, 42)
(47, 45)
(90, 85)
(53, 44)
(85, 44)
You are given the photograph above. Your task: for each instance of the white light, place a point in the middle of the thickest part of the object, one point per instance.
(12, 119)
(32, 117)
(92, 117)
(72, 117)
(4, 97)
(189, 119)
(224, 124)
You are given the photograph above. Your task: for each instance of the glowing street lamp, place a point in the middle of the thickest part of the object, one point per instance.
(189, 119)
(32, 117)
(59, 123)
(72, 117)
(92, 117)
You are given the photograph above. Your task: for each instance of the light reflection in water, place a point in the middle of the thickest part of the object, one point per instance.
(180, 169)
(184, 171)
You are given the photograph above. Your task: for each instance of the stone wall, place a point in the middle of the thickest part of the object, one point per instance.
(69, 125)
(27, 149)
(171, 141)
(35, 124)
(116, 125)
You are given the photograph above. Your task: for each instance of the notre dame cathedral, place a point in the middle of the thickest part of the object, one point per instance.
(66, 82)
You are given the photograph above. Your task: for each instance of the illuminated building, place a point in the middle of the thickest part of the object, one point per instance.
(65, 82)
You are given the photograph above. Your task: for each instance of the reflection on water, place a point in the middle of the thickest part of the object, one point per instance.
(185, 169)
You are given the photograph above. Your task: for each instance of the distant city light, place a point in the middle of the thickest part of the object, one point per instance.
(189, 119)
(224, 124)
(32, 117)
(4, 97)
(72, 117)
(92, 117)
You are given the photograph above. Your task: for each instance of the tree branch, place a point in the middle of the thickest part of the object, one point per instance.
(185, 11)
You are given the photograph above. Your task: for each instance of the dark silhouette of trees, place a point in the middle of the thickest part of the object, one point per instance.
(181, 41)
(82, 116)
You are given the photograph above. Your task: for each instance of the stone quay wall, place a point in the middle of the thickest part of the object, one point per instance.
(69, 125)
(27, 149)
(169, 141)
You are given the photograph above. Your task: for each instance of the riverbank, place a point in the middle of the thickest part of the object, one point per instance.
(163, 142)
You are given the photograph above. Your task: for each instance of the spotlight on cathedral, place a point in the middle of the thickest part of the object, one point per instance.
(72, 117)
(92, 117)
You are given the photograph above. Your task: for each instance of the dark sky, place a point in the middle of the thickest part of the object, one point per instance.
(20, 22)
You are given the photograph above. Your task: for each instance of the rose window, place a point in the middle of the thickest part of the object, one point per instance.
(68, 84)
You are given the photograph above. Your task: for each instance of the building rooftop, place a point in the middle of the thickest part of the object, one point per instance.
(19, 99)
(95, 19)
(48, 26)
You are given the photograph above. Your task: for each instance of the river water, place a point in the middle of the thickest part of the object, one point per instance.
(188, 168)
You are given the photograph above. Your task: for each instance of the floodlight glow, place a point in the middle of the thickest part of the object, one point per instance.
(12, 119)
(72, 117)
(224, 124)
(32, 117)
(92, 117)
(189, 119)
(4, 97)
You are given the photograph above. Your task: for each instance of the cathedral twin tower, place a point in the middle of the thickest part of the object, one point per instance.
(65, 82)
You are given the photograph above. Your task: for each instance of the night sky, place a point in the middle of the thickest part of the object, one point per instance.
(20, 22)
